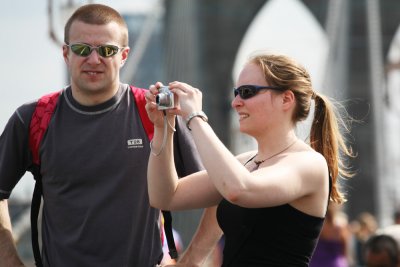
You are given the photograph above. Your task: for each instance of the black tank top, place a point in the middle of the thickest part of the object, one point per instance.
(277, 236)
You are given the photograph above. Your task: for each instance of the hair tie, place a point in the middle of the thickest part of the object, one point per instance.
(314, 95)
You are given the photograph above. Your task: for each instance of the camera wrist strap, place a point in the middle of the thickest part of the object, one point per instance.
(166, 125)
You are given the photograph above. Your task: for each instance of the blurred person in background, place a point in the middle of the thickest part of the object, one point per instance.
(394, 229)
(362, 229)
(381, 251)
(334, 242)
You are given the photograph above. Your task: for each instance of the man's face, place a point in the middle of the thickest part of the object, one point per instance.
(378, 259)
(94, 74)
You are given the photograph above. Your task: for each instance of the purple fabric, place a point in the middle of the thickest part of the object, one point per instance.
(329, 253)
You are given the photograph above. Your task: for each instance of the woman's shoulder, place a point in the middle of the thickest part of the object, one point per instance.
(308, 156)
(308, 163)
(311, 170)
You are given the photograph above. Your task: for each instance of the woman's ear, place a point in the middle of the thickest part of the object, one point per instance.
(288, 99)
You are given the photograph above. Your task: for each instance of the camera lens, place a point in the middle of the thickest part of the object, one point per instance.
(165, 98)
(158, 99)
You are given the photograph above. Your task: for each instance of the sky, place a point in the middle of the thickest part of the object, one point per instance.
(31, 63)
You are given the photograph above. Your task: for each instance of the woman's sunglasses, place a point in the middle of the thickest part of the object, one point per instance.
(84, 50)
(247, 91)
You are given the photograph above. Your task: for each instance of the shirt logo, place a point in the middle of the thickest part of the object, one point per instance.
(135, 143)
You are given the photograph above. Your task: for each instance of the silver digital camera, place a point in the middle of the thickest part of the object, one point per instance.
(165, 98)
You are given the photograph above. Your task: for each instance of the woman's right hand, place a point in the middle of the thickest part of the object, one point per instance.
(155, 115)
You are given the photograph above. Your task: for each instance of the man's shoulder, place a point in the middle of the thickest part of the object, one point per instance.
(26, 110)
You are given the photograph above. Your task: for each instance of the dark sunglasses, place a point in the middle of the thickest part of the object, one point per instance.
(247, 91)
(84, 50)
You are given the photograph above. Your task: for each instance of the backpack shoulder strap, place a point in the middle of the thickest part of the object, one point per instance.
(140, 99)
(39, 123)
(173, 252)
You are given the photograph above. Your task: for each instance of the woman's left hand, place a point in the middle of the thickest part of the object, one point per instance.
(189, 98)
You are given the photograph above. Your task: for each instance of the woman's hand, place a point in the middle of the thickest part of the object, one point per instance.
(155, 115)
(189, 99)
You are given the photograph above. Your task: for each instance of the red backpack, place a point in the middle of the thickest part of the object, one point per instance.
(39, 123)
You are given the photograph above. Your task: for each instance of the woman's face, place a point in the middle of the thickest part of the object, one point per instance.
(258, 113)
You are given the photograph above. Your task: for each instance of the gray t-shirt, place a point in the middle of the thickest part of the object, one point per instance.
(96, 209)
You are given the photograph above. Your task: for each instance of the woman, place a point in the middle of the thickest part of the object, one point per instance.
(272, 201)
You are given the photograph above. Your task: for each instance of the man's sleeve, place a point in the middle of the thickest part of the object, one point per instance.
(15, 157)
(187, 158)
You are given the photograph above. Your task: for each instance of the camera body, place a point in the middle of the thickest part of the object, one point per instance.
(165, 98)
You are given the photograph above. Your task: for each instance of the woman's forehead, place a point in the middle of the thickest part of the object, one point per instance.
(251, 74)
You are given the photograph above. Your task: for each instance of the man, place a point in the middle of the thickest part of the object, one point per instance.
(381, 251)
(96, 210)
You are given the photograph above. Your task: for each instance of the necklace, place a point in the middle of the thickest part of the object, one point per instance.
(258, 162)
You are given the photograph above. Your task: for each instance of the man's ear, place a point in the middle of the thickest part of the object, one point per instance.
(125, 54)
(66, 53)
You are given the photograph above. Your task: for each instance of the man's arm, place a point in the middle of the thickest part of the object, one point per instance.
(187, 161)
(203, 242)
(8, 251)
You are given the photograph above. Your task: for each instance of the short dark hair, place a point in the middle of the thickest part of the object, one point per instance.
(396, 215)
(382, 242)
(99, 15)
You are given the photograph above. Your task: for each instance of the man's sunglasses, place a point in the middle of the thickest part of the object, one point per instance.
(84, 50)
(247, 91)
